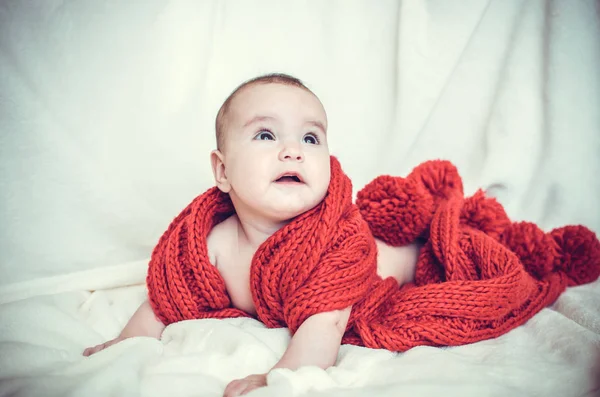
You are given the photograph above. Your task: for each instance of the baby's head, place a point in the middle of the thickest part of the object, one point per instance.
(272, 155)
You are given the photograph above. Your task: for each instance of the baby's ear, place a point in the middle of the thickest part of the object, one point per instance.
(218, 167)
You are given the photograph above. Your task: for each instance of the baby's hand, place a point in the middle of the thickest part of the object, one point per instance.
(92, 350)
(240, 387)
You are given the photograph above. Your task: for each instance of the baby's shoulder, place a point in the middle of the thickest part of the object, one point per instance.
(220, 237)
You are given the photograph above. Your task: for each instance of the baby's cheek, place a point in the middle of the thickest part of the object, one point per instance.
(324, 185)
(250, 192)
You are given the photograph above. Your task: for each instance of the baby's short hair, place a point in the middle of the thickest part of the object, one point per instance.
(277, 78)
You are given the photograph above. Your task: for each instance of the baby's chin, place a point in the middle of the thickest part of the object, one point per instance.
(283, 214)
(290, 210)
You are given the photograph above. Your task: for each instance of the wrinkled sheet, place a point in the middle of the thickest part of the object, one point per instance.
(107, 119)
(554, 354)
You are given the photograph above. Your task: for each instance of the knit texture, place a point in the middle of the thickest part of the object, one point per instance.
(479, 275)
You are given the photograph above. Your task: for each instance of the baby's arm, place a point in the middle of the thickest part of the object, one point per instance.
(142, 323)
(317, 342)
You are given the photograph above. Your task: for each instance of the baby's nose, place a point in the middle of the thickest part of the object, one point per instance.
(291, 152)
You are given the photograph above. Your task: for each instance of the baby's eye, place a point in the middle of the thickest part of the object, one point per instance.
(265, 135)
(311, 138)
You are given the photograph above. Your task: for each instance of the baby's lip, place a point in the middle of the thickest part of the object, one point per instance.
(291, 174)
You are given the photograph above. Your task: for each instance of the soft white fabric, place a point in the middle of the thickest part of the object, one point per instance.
(107, 120)
(555, 354)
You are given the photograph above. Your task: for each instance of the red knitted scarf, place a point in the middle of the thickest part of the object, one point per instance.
(479, 275)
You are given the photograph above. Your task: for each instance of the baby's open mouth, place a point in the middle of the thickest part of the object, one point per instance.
(289, 178)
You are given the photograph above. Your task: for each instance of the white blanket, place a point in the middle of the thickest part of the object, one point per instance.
(555, 354)
(107, 119)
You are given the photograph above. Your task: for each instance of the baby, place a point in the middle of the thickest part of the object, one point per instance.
(273, 160)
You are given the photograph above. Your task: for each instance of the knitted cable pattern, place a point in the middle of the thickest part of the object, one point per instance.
(479, 275)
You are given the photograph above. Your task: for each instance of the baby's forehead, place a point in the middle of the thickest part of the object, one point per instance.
(262, 90)
(261, 96)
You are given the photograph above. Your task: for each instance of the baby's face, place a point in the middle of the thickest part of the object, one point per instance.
(275, 153)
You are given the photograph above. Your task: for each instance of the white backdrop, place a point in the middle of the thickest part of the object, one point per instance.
(107, 112)
(108, 107)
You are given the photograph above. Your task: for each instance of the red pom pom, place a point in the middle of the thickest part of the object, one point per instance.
(579, 254)
(485, 214)
(536, 249)
(440, 178)
(397, 210)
